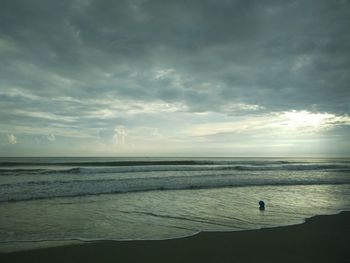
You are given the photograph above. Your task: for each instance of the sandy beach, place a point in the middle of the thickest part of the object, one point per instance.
(320, 239)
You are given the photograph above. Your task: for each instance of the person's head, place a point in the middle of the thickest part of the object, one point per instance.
(261, 204)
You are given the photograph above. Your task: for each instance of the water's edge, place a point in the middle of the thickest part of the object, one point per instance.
(8, 247)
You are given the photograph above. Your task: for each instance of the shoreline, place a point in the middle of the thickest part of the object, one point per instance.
(78, 241)
(323, 238)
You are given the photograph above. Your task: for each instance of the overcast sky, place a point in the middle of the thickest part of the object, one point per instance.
(174, 78)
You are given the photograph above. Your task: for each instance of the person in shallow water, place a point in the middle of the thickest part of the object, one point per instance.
(261, 205)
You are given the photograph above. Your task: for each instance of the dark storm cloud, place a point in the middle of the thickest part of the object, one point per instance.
(281, 55)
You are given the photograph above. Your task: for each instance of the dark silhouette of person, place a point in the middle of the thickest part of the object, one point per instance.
(261, 205)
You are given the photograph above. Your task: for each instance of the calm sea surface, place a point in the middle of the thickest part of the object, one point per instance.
(55, 201)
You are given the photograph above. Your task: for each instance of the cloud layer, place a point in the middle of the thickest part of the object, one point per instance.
(80, 71)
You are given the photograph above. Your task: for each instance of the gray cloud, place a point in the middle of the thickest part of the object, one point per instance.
(249, 49)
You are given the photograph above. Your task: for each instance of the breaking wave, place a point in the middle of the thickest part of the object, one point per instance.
(32, 190)
(158, 168)
(51, 178)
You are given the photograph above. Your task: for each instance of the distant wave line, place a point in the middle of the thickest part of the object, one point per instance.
(174, 187)
(163, 168)
(145, 163)
(114, 163)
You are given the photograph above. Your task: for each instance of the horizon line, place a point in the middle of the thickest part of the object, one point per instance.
(185, 156)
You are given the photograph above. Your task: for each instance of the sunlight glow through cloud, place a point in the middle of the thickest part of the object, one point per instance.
(296, 122)
(297, 119)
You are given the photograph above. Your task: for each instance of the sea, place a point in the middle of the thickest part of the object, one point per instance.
(58, 201)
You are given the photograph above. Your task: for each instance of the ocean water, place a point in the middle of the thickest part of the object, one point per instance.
(56, 201)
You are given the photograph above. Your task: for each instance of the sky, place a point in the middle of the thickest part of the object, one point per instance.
(175, 78)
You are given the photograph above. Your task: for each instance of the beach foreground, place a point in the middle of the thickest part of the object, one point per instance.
(320, 239)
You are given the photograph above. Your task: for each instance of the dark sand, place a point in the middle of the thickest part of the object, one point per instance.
(320, 239)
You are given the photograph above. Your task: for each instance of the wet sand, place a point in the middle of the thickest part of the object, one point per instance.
(320, 239)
